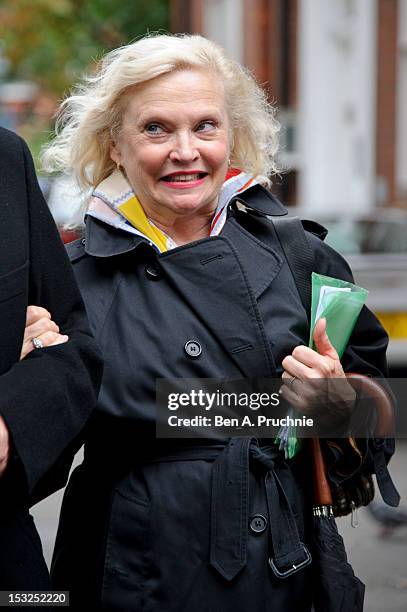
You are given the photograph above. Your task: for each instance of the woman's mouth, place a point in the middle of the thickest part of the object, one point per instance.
(184, 178)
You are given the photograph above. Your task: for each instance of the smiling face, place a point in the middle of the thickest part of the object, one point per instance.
(174, 144)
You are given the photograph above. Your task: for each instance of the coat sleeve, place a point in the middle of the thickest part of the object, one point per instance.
(366, 350)
(47, 398)
(365, 354)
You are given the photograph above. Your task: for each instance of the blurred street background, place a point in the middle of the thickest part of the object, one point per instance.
(337, 72)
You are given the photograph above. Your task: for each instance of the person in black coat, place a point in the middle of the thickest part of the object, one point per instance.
(46, 394)
(183, 277)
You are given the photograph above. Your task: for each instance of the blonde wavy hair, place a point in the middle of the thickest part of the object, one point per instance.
(90, 118)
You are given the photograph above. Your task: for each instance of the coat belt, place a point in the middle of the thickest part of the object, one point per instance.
(230, 512)
(230, 506)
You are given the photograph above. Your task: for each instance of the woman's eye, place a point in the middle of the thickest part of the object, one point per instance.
(154, 129)
(206, 126)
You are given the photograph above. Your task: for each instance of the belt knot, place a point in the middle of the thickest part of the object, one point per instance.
(230, 512)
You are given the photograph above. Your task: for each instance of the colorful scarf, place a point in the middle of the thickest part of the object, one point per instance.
(115, 203)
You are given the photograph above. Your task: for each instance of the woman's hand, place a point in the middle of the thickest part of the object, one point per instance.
(39, 325)
(305, 363)
(315, 382)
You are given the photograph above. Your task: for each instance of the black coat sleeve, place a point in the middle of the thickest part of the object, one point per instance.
(366, 350)
(365, 354)
(47, 398)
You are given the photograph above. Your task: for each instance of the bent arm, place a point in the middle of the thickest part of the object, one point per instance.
(366, 350)
(47, 398)
(365, 354)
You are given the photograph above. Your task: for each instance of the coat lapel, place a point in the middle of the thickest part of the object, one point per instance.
(222, 283)
(221, 279)
(260, 261)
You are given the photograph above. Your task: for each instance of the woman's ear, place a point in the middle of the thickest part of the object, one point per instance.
(114, 153)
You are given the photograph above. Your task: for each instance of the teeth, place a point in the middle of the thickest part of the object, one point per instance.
(183, 178)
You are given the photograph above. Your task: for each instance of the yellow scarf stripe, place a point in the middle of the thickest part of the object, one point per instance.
(134, 213)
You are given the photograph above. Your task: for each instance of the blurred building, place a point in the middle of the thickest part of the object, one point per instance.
(16, 99)
(337, 70)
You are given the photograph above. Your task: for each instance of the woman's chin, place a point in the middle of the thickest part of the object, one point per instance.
(188, 205)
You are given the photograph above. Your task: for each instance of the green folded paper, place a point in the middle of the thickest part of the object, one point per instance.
(340, 303)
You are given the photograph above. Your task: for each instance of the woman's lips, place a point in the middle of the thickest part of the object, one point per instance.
(184, 180)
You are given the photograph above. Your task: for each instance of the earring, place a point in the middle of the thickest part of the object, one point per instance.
(118, 167)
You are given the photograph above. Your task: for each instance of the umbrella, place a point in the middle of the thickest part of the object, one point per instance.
(336, 588)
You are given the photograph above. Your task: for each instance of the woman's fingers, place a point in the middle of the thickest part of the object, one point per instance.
(296, 368)
(60, 340)
(322, 342)
(35, 330)
(298, 391)
(35, 313)
(306, 363)
(39, 327)
(292, 392)
(306, 373)
(38, 322)
(47, 338)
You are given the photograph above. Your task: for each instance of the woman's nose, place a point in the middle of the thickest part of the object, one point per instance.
(184, 148)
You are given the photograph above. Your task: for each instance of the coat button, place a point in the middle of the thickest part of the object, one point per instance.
(153, 272)
(258, 523)
(193, 349)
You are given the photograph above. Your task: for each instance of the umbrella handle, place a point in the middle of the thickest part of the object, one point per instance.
(322, 490)
(384, 427)
(385, 423)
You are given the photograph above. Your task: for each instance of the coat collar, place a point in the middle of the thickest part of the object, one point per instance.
(233, 263)
(260, 201)
(102, 240)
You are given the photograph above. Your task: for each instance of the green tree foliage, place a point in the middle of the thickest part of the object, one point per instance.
(52, 42)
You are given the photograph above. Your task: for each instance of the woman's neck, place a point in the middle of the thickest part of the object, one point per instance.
(185, 229)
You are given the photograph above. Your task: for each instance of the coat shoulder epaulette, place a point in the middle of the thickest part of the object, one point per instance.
(76, 250)
(315, 228)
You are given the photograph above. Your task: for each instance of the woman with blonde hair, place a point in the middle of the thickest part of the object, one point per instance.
(183, 277)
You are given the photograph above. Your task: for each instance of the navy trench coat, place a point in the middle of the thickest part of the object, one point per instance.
(148, 525)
